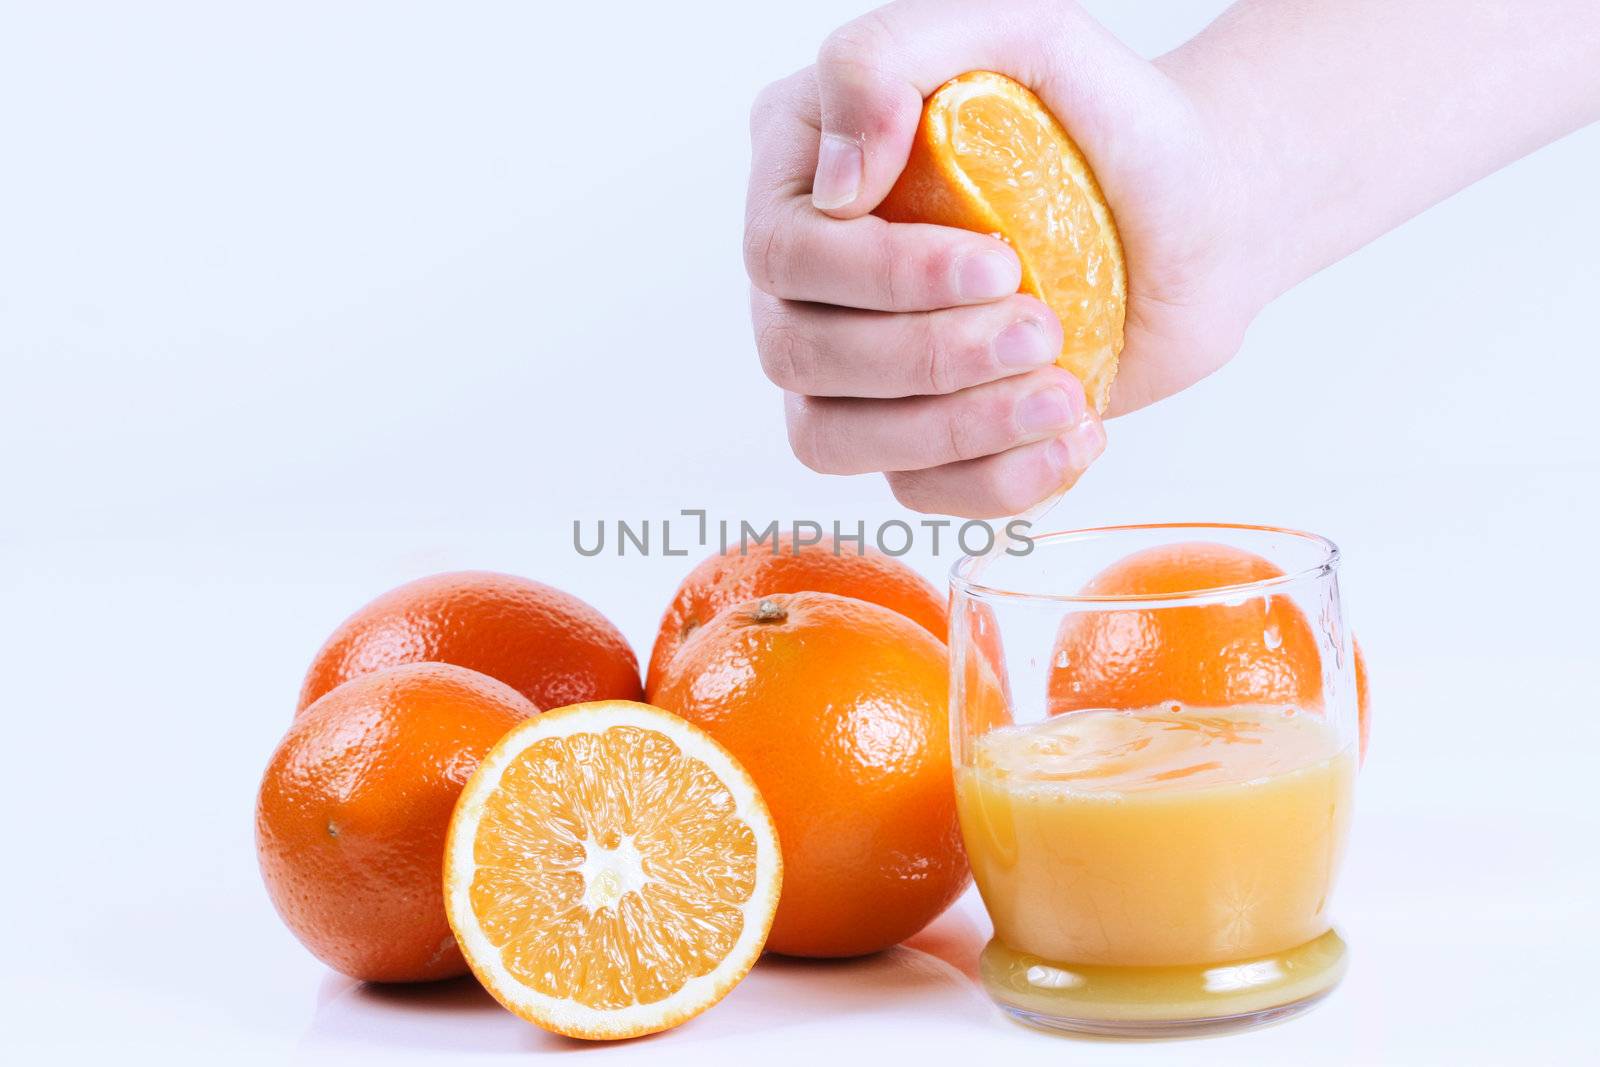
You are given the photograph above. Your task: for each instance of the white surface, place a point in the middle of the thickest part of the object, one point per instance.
(302, 301)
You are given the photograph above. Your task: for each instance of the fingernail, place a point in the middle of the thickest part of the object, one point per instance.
(1023, 344)
(1072, 452)
(1048, 409)
(987, 276)
(838, 178)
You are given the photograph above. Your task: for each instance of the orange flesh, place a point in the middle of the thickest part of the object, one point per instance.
(631, 799)
(990, 157)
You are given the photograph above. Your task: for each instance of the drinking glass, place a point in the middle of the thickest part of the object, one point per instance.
(1156, 735)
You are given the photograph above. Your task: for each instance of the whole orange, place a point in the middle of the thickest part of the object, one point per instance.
(1260, 651)
(838, 709)
(733, 577)
(353, 809)
(548, 645)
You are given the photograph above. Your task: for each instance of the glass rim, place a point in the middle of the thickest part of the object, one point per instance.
(960, 580)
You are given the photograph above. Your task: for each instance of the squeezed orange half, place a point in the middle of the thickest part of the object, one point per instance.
(989, 156)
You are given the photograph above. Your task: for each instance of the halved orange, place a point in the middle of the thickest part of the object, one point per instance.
(610, 871)
(988, 156)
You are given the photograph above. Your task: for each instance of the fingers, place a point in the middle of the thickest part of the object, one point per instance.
(873, 74)
(823, 351)
(1004, 484)
(952, 392)
(850, 435)
(793, 252)
(785, 122)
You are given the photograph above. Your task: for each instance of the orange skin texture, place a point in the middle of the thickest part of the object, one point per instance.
(1214, 655)
(838, 709)
(353, 810)
(548, 645)
(724, 580)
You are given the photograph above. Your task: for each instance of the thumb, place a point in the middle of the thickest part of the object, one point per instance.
(873, 74)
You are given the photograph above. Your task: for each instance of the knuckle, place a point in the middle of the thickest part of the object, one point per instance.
(910, 490)
(918, 271)
(855, 48)
(935, 267)
(964, 429)
(967, 344)
(806, 439)
(942, 355)
(884, 259)
(898, 110)
(766, 248)
(1000, 407)
(766, 102)
(784, 354)
(786, 97)
(857, 57)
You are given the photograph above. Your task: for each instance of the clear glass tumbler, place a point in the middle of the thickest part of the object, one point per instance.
(1156, 733)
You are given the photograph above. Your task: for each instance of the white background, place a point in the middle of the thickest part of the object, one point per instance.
(299, 301)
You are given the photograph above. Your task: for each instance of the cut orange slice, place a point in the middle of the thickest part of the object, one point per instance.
(988, 156)
(610, 871)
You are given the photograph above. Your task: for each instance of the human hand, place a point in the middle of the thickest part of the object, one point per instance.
(906, 348)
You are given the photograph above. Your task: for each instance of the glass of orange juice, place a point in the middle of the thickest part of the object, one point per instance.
(1156, 733)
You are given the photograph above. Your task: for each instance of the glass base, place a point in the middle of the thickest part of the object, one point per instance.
(1156, 1002)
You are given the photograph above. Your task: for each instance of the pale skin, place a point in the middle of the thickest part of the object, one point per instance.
(1285, 136)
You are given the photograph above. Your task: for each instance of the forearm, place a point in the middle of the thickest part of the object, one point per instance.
(1343, 118)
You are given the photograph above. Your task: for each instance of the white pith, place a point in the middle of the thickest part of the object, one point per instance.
(609, 873)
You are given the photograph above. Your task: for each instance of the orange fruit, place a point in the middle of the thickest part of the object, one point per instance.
(353, 809)
(985, 697)
(1260, 651)
(731, 578)
(548, 645)
(611, 871)
(988, 156)
(839, 710)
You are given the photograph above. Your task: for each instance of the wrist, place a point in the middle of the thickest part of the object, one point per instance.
(1256, 235)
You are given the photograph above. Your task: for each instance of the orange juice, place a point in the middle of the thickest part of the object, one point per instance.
(1141, 850)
